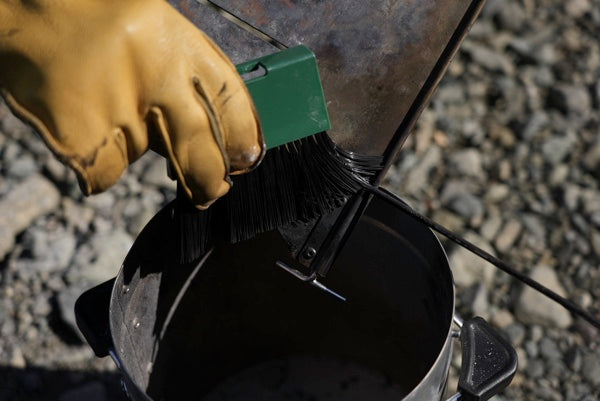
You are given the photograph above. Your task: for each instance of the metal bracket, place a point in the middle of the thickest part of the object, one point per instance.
(305, 240)
(311, 279)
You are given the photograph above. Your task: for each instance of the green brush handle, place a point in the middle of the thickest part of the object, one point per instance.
(288, 95)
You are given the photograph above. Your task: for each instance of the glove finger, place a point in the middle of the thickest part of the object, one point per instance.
(223, 89)
(194, 151)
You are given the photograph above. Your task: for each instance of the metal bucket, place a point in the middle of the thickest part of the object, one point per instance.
(234, 326)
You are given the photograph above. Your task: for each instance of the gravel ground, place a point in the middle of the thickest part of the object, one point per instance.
(508, 155)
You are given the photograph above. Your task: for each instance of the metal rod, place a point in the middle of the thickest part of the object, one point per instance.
(327, 290)
(426, 91)
(505, 267)
(243, 24)
(458, 320)
(455, 397)
(311, 279)
(296, 273)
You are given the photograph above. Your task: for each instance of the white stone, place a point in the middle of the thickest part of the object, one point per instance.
(469, 268)
(534, 308)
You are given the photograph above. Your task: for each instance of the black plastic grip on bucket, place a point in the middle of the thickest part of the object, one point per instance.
(92, 316)
(489, 362)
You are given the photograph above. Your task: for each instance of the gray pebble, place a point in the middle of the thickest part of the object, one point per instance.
(466, 205)
(17, 360)
(533, 307)
(571, 197)
(580, 391)
(32, 198)
(10, 153)
(538, 122)
(468, 163)
(488, 58)
(156, 175)
(451, 93)
(577, 8)
(51, 250)
(66, 305)
(102, 203)
(549, 349)
(449, 220)
(595, 219)
(544, 76)
(591, 158)
(8, 328)
(78, 216)
(534, 225)
(480, 304)
(468, 268)
(516, 334)
(101, 258)
(590, 199)
(546, 54)
(511, 16)
(595, 240)
(22, 167)
(590, 368)
(503, 319)
(497, 193)
(573, 359)
(58, 171)
(41, 306)
(535, 368)
(546, 392)
(508, 235)
(418, 177)
(556, 369)
(556, 149)
(504, 171)
(571, 100)
(490, 227)
(559, 175)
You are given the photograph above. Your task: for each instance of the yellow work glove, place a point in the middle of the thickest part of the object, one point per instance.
(104, 80)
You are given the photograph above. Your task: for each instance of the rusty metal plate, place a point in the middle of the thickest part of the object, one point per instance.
(380, 61)
(375, 57)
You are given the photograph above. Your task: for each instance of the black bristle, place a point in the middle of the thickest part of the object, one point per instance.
(295, 182)
(195, 234)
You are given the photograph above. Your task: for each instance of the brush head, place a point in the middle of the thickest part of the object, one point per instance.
(295, 183)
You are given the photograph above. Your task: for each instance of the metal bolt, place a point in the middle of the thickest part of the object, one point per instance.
(310, 253)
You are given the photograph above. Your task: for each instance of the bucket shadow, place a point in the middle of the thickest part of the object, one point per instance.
(42, 384)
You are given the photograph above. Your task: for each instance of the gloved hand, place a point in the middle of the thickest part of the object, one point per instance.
(104, 80)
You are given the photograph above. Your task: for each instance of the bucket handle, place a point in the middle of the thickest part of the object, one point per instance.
(489, 362)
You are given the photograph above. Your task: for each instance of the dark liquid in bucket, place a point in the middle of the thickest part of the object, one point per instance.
(306, 378)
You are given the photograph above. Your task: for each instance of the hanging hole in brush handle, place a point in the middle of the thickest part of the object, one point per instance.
(251, 70)
(489, 362)
(92, 316)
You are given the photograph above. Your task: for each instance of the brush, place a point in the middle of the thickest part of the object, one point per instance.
(303, 175)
